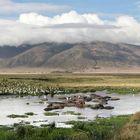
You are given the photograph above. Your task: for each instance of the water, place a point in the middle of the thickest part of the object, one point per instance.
(128, 104)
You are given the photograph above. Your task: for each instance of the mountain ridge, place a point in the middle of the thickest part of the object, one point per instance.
(71, 57)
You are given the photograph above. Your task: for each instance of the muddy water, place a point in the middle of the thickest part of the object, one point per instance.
(128, 104)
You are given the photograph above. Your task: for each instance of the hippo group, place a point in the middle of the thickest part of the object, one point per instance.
(81, 101)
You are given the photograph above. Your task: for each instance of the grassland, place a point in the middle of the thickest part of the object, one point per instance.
(69, 83)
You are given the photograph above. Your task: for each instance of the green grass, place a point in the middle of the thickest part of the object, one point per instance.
(101, 129)
(17, 116)
(71, 113)
(51, 114)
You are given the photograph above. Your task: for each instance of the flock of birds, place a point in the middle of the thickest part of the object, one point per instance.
(22, 88)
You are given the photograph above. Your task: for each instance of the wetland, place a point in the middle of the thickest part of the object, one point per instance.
(67, 103)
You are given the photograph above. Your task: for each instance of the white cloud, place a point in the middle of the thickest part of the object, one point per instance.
(71, 17)
(8, 6)
(69, 27)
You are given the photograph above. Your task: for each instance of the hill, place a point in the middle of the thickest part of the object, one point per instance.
(71, 57)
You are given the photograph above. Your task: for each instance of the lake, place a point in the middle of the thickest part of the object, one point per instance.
(128, 104)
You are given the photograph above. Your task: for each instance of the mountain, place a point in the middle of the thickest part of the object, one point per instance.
(71, 57)
(11, 51)
(35, 56)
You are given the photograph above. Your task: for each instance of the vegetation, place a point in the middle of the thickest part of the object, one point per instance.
(51, 113)
(30, 113)
(101, 129)
(131, 131)
(114, 128)
(17, 116)
(68, 83)
(71, 113)
(81, 117)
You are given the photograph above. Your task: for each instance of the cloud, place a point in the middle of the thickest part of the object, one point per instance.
(81, 25)
(71, 17)
(8, 7)
(68, 27)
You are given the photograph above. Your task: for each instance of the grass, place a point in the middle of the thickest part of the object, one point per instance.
(17, 116)
(30, 113)
(131, 131)
(51, 114)
(81, 118)
(71, 113)
(100, 129)
(69, 83)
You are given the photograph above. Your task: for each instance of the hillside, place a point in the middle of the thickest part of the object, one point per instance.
(72, 57)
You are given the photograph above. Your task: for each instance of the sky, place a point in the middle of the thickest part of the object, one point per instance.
(129, 7)
(36, 21)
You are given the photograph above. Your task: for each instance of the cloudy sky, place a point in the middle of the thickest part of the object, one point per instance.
(36, 21)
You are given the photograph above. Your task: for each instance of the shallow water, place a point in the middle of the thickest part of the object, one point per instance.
(128, 104)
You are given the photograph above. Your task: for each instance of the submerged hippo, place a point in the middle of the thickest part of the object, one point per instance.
(101, 106)
(54, 106)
